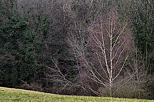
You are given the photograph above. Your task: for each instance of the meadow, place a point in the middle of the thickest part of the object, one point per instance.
(20, 95)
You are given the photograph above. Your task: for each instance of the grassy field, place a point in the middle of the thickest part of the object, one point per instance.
(19, 95)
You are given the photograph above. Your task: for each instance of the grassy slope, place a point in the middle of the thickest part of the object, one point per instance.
(18, 95)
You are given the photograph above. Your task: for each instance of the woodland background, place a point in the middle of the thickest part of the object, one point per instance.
(78, 47)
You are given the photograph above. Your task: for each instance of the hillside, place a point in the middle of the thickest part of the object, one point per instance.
(19, 95)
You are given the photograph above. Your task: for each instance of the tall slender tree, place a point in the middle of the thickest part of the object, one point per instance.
(105, 54)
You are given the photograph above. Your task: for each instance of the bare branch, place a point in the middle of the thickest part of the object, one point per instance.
(120, 69)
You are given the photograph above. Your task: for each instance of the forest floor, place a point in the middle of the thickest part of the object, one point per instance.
(19, 95)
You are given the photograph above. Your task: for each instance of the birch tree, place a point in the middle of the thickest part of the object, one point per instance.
(102, 56)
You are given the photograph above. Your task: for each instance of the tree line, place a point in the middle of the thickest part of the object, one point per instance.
(78, 47)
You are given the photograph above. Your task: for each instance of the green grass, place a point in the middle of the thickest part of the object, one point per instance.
(19, 95)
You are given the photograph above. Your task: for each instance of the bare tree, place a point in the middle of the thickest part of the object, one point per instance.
(103, 58)
(56, 75)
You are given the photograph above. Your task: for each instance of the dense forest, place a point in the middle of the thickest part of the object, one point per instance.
(78, 47)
